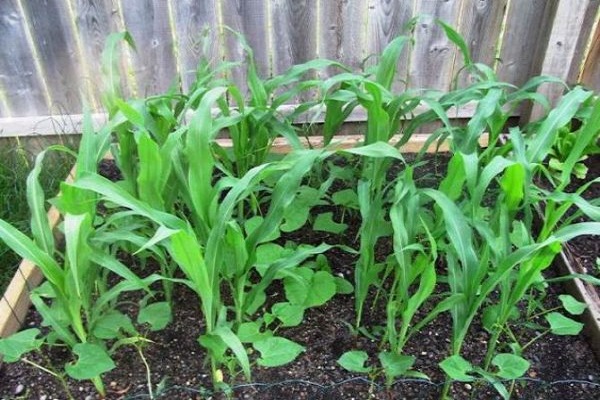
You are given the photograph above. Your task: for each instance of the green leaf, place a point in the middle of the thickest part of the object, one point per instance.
(354, 361)
(93, 360)
(343, 286)
(276, 351)
(570, 304)
(254, 223)
(14, 346)
(324, 222)
(510, 366)
(158, 315)
(289, 314)
(561, 325)
(322, 288)
(377, 150)
(40, 228)
(395, 364)
(249, 332)
(457, 39)
(346, 198)
(233, 342)
(457, 368)
(110, 324)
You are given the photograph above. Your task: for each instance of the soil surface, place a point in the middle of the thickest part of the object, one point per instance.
(561, 366)
(584, 253)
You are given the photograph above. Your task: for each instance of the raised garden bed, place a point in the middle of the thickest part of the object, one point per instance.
(219, 269)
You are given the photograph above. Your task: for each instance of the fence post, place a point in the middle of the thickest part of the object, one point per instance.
(565, 47)
(590, 73)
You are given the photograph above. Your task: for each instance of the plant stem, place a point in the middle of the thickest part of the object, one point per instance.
(148, 372)
(60, 378)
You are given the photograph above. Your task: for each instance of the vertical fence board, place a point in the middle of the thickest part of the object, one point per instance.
(481, 27)
(294, 23)
(23, 87)
(432, 59)
(249, 18)
(153, 61)
(387, 20)
(525, 27)
(590, 76)
(57, 50)
(197, 36)
(95, 20)
(565, 46)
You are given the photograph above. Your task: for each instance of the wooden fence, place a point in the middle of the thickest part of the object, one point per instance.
(50, 49)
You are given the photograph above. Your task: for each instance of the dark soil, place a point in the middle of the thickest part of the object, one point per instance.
(582, 251)
(561, 366)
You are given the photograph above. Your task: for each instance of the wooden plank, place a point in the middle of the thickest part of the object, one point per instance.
(481, 27)
(565, 47)
(432, 59)
(249, 18)
(153, 62)
(95, 20)
(343, 31)
(71, 124)
(15, 302)
(21, 82)
(57, 49)
(294, 22)
(584, 292)
(527, 24)
(387, 20)
(196, 36)
(590, 74)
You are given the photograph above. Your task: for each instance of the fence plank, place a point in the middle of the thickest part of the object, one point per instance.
(55, 42)
(196, 24)
(22, 84)
(153, 61)
(95, 20)
(294, 22)
(481, 26)
(565, 47)
(387, 20)
(590, 75)
(526, 26)
(433, 56)
(249, 18)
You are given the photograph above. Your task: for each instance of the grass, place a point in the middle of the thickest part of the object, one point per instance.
(16, 163)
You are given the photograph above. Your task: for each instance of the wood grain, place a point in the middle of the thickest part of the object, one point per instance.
(590, 75)
(565, 47)
(20, 80)
(95, 20)
(154, 65)
(527, 25)
(197, 36)
(481, 26)
(57, 49)
(249, 18)
(387, 20)
(294, 28)
(432, 59)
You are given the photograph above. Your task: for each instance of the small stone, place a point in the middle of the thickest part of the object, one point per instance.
(423, 353)
(19, 389)
(43, 397)
(89, 397)
(468, 387)
(591, 378)
(113, 384)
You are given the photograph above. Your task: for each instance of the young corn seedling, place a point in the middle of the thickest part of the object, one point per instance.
(75, 301)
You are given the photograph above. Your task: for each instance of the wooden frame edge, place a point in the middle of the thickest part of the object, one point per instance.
(586, 293)
(15, 302)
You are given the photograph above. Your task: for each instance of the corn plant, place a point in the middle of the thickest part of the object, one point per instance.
(75, 302)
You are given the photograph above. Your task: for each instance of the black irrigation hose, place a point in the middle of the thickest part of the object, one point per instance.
(266, 386)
